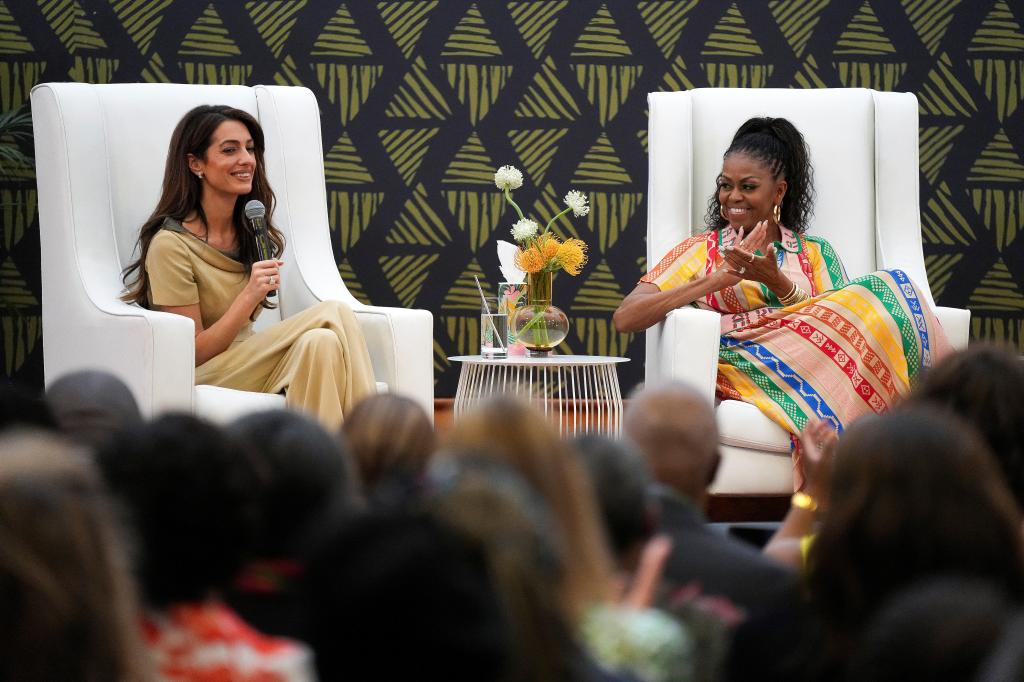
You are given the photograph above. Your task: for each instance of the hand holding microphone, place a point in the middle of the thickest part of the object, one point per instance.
(256, 214)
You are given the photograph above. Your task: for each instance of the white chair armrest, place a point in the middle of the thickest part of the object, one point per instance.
(956, 322)
(684, 347)
(401, 345)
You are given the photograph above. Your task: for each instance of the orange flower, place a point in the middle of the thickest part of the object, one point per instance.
(572, 255)
(549, 247)
(530, 259)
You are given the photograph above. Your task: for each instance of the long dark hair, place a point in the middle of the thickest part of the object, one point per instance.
(182, 191)
(777, 144)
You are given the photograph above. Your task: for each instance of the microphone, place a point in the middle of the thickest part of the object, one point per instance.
(256, 213)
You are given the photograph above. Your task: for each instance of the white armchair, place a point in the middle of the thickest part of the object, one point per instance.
(864, 150)
(100, 155)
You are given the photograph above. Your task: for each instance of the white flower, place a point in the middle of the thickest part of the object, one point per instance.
(524, 229)
(508, 177)
(577, 201)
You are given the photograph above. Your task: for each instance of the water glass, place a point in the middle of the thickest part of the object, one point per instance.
(493, 329)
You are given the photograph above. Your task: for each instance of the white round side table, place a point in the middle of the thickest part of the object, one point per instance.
(580, 393)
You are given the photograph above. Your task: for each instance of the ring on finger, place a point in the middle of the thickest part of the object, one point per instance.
(751, 258)
(742, 270)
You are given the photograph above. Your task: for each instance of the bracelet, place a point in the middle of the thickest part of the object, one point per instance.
(802, 500)
(795, 296)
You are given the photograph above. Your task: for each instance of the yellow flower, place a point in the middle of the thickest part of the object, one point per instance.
(572, 255)
(549, 246)
(530, 259)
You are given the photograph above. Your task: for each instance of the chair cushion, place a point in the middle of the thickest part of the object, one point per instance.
(742, 425)
(222, 405)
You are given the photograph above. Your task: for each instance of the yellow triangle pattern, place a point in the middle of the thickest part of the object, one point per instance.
(601, 38)
(931, 19)
(549, 204)
(1001, 211)
(417, 96)
(600, 292)
(441, 363)
(14, 290)
(808, 77)
(997, 328)
(876, 75)
(12, 40)
(536, 149)
(350, 213)
(599, 337)
(20, 332)
(999, 33)
(935, 143)
(209, 37)
(676, 78)
(274, 21)
(471, 37)
(738, 75)
(477, 214)
(216, 74)
(997, 291)
(463, 294)
(547, 97)
(406, 275)
(406, 148)
(942, 93)
(731, 37)
(341, 37)
(940, 270)
(17, 213)
(344, 166)
(666, 19)
(352, 283)
(347, 85)
(999, 162)
(536, 21)
(73, 27)
(98, 70)
(943, 223)
(288, 73)
(610, 212)
(140, 19)
(419, 224)
(471, 165)
(477, 86)
(797, 20)
(607, 86)
(405, 22)
(1001, 80)
(153, 72)
(864, 35)
(601, 166)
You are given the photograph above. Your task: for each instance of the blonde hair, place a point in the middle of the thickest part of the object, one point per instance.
(388, 435)
(515, 433)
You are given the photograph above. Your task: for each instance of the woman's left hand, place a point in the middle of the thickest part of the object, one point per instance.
(749, 265)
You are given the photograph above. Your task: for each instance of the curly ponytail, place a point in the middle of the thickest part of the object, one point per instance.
(777, 144)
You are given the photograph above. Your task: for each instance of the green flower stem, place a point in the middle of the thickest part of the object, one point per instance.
(557, 216)
(508, 198)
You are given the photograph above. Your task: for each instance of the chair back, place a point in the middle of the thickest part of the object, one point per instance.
(863, 147)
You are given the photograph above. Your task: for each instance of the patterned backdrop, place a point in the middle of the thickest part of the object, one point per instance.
(422, 100)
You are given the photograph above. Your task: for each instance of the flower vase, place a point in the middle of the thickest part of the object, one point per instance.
(538, 325)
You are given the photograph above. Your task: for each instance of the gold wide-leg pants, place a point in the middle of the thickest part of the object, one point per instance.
(317, 357)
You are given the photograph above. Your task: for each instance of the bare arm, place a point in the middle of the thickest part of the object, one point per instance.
(648, 305)
(215, 340)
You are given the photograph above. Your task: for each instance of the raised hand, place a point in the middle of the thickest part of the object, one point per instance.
(817, 445)
(744, 262)
(264, 278)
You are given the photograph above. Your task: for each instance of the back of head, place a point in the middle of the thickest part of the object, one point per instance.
(390, 437)
(398, 597)
(914, 494)
(674, 428)
(939, 630)
(67, 601)
(90, 405)
(307, 476)
(779, 146)
(487, 503)
(620, 478)
(22, 407)
(985, 386)
(513, 432)
(191, 491)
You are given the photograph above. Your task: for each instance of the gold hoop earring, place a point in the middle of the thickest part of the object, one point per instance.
(777, 214)
(721, 212)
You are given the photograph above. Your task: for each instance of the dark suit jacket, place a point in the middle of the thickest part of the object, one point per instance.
(719, 565)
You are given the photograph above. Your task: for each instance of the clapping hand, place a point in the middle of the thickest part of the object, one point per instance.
(744, 263)
(817, 447)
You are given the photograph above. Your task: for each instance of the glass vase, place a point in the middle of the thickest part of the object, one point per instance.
(538, 325)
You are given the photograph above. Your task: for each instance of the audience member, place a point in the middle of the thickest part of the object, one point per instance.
(914, 494)
(516, 434)
(89, 406)
(191, 491)
(392, 440)
(68, 609)
(985, 385)
(308, 481)
(674, 428)
(398, 596)
(1006, 661)
(941, 630)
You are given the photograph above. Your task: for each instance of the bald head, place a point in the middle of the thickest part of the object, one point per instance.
(674, 428)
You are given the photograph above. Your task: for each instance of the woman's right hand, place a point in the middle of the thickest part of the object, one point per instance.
(264, 278)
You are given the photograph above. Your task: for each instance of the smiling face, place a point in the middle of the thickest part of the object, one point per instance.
(747, 191)
(230, 161)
